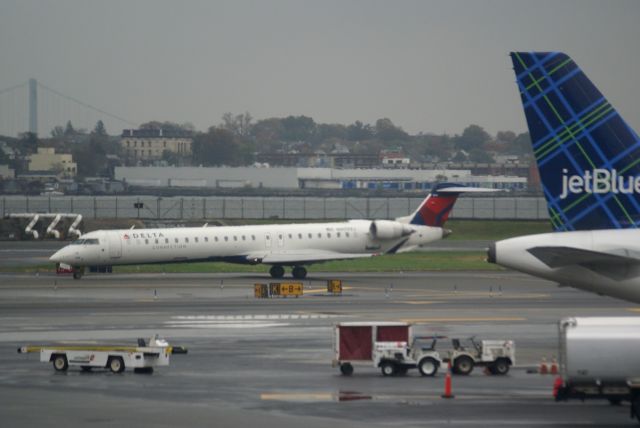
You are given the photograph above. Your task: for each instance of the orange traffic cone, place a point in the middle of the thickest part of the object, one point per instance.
(554, 367)
(447, 384)
(543, 366)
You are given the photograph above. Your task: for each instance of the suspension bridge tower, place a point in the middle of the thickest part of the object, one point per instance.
(33, 106)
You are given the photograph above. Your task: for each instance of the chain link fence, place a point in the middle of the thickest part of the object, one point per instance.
(264, 208)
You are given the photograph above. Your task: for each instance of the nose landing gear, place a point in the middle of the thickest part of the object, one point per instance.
(77, 272)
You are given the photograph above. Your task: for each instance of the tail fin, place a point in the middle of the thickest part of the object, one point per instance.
(435, 209)
(588, 157)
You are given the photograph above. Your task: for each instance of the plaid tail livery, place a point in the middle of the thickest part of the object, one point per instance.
(588, 157)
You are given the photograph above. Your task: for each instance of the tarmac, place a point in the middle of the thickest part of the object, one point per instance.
(267, 362)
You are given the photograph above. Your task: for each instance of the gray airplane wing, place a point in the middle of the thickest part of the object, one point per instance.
(555, 257)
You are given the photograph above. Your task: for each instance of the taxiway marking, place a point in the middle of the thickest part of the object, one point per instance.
(462, 319)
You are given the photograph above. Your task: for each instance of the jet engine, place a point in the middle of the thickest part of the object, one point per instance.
(388, 229)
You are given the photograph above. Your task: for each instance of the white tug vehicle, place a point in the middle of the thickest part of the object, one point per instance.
(141, 358)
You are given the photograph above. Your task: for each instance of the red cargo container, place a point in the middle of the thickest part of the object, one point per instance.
(354, 341)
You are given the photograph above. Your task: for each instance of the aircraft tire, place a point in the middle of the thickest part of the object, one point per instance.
(276, 271)
(299, 272)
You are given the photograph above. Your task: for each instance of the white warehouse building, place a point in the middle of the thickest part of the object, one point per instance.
(308, 178)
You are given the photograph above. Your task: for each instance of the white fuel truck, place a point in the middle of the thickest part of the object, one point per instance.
(599, 359)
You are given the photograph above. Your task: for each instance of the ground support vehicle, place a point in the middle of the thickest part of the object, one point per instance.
(599, 360)
(142, 358)
(389, 346)
(497, 355)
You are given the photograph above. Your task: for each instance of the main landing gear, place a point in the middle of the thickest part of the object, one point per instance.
(276, 271)
(298, 272)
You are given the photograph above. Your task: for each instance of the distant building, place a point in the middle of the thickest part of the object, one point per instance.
(409, 180)
(394, 158)
(6, 173)
(8, 151)
(47, 160)
(320, 159)
(149, 144)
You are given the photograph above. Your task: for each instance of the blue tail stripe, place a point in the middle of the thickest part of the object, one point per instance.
(575, 131)
(539, 95)
(574, 118)
(549, 137)
(555, 201)
(572, 142)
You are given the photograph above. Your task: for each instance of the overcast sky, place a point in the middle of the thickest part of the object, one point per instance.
(430, 66)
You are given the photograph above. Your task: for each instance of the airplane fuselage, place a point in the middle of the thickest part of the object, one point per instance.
(617, 278)
(287, 244)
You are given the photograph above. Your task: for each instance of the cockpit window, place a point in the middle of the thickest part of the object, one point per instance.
(86, 242)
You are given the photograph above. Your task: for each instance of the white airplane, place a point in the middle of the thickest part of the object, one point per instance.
(278, 245)
(589, 163)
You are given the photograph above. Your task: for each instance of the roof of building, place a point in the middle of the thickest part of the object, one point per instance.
(156, 133)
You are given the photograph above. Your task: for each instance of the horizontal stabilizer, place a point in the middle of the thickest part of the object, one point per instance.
(468, 190)
(556, 257)
(434, 210)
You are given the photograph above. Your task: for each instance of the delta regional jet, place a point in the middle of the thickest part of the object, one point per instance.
(589, 163)
(278, 245)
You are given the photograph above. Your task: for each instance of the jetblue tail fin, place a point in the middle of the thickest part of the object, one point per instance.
(435, 209)
(588, 157)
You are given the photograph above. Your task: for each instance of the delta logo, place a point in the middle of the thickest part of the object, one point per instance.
(598, 181)
(143, 235)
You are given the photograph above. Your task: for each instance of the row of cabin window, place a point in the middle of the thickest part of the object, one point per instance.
(310, 235)
(205, 239)
(244, 238)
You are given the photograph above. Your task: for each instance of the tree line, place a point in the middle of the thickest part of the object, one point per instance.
(238, 140)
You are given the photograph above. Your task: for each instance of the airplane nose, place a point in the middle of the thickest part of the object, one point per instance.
(446, 232)
(57, 257)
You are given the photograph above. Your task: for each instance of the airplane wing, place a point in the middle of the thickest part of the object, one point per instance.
(305, 257)
(564, 256)
(611, 265)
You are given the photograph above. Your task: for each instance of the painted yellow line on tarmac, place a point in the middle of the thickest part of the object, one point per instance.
(633, 309)
(297, 396)
(476, 294)
(417, 302)
(462, 319)
(323, 290)
(338, 396)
